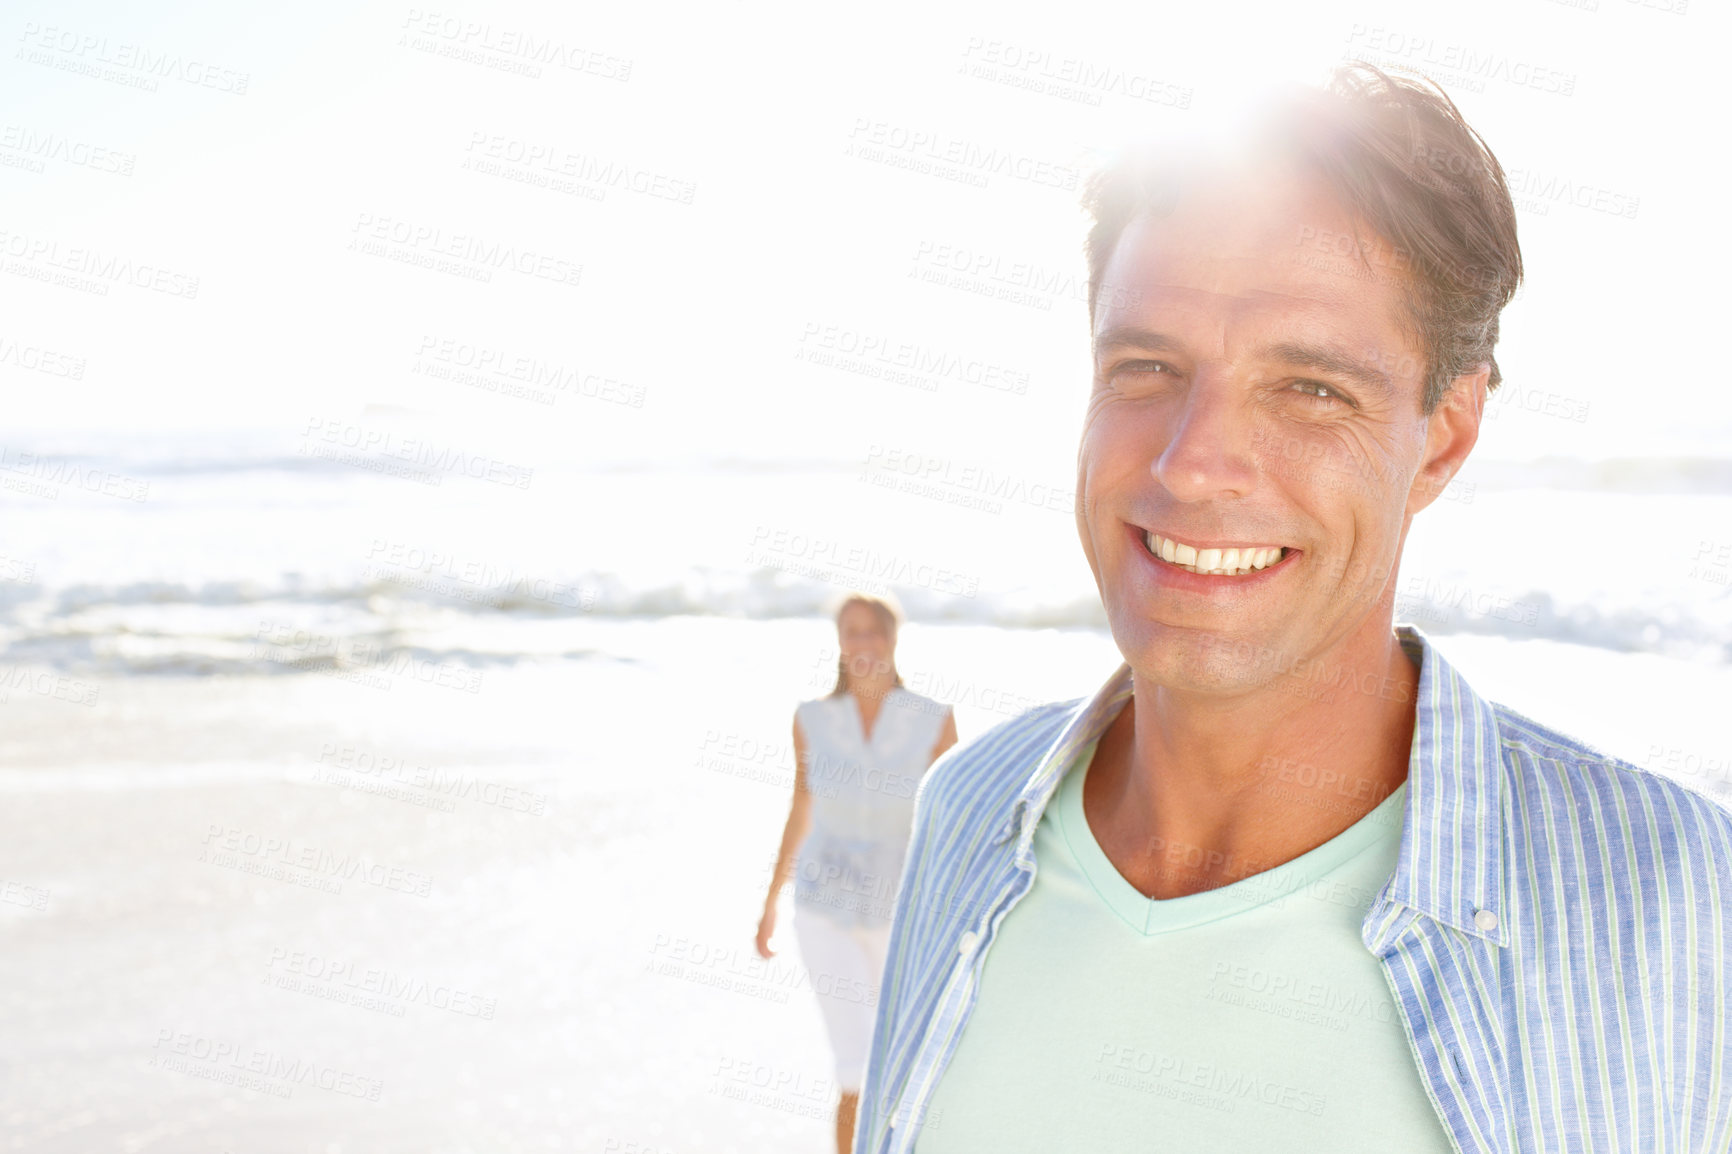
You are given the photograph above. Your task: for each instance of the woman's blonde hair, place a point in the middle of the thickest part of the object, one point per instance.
(889, 614)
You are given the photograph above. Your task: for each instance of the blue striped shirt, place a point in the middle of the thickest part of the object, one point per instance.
(1555, 932)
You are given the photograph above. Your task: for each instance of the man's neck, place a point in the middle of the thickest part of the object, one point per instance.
(1187, 795)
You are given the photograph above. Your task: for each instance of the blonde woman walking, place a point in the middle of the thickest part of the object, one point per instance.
(859, 752)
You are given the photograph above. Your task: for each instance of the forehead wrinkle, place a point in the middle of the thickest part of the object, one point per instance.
(1260, 279)
(1245, 304)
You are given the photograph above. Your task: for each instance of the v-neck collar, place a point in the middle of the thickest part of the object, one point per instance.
(1156, 916)
(1451, 863)
(859, 718)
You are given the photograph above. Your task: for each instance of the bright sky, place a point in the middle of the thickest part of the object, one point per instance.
(775, 213)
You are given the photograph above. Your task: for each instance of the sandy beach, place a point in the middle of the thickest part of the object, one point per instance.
(307, 913)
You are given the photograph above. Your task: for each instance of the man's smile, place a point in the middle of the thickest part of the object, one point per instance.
(1234, 561)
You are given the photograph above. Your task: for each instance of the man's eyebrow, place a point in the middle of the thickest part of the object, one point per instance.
(1323, 359)
(1132, 336)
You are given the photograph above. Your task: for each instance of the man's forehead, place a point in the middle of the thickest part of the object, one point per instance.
(1248, 248)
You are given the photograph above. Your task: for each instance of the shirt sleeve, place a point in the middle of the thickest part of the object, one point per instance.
(901, 966)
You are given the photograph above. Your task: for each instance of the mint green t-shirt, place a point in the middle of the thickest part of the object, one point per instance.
(1248, 1017)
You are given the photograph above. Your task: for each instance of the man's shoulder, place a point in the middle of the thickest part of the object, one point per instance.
(988, 771)
(1675, 809)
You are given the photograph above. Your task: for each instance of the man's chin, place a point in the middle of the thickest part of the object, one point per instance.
(1196, 658)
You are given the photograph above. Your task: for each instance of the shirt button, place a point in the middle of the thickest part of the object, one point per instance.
(1485, 920)
(966, 945)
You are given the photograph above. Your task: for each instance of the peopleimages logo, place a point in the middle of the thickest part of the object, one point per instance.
(522, 50)
(878, 354)
(322, 437)
(256, 1068)
(303, 971)
(827, 559)
(43, 257)
(425, 245)
(882, 140)
(88, 53)
(48, 473)
(1470, 67)
(1066, 77)
(227, 845)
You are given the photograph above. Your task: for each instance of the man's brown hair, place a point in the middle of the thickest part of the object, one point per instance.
(1401, 157)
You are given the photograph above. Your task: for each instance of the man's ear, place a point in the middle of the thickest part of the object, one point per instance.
(1451, 431)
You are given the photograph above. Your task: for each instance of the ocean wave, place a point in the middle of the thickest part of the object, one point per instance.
(242, 452)
(1672, 630)
(298, 626)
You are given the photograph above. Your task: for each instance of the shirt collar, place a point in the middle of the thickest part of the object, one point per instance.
(1450, 865)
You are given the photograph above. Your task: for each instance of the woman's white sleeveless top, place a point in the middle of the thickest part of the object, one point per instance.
(862, 801)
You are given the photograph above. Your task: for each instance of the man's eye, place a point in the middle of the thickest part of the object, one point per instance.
(1319, 391)
(1142, 368)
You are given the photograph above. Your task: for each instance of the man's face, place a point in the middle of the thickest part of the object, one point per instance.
(1256, 388)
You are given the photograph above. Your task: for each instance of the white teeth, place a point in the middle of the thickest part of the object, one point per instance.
(1232, 562)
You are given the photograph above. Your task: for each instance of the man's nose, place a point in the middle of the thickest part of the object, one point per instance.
(1208, 454)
